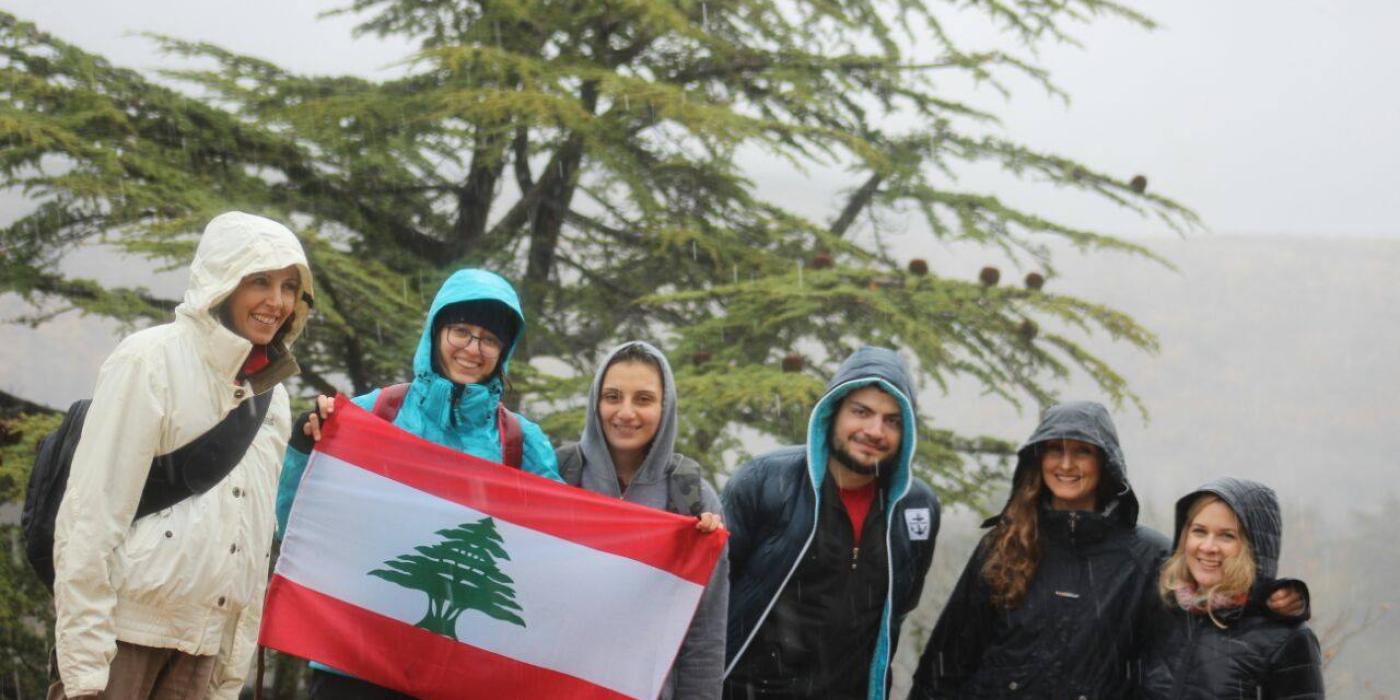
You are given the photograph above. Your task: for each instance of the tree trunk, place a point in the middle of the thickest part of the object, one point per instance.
(555, 189)
(355, 366)
(478, 191)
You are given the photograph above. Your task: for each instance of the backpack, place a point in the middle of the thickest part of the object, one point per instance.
(390, 400)
(188, 471)
(682, 485)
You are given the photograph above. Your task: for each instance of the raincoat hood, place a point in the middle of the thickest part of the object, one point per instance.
(1256, 505)
(233, 246)
(1089, 422)
(468, 285)
(595, 445)
(867, 366)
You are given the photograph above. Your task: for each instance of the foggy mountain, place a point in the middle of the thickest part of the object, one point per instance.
(1278, 363)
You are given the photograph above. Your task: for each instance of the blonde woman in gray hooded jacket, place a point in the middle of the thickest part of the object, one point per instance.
(168, 606)
(627, 451)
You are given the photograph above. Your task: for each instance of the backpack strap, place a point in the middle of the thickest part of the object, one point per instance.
(512, 438)
(683, 487)
(570, 457)
(389, 401)
(200, 465)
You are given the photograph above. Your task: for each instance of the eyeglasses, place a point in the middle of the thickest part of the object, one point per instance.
(460, 336)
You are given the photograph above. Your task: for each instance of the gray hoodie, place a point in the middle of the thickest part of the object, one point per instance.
(699, 667)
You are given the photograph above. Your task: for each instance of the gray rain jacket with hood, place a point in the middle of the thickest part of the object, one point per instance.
(1077, 634)
(699, 667)
(779, 513)
(1256, 654)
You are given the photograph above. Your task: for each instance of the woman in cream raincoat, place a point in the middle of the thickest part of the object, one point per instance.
(169, 605)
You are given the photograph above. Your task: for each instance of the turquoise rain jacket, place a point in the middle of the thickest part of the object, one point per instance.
(466, 423)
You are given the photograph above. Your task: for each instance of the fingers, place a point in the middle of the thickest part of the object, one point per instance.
(313, 427)
(1292, 603)
(1286, 601)
(709, 522)
(325, 406)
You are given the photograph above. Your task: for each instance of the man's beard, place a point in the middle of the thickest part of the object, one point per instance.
(848, 461)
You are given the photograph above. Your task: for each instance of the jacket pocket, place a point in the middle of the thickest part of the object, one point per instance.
(160, 560)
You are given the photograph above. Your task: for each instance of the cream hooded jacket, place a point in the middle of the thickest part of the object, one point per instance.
(190, 577)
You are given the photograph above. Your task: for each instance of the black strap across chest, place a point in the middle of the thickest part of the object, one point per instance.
(205, 461)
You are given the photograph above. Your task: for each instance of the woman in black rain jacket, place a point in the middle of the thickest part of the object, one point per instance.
(1048, 605)
(1211, 637)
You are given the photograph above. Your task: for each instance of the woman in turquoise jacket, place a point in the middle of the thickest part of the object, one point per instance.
(458, 377)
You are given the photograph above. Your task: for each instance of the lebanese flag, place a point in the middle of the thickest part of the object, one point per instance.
(438, 574)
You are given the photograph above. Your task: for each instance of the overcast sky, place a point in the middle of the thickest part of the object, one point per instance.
(1265, 117)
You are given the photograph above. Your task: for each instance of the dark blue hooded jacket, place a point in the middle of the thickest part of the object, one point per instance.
(772, 505)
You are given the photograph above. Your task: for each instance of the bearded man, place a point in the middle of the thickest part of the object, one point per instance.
(829, 543)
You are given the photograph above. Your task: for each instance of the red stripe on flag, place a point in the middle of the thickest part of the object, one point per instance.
(384, 651)
(360, 438)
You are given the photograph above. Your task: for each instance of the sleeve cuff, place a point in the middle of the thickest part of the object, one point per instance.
(87, 684)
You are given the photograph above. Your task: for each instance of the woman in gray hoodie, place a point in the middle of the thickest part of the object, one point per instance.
(627, 451)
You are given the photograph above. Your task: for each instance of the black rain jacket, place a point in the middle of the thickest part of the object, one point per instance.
(1257, 655)
(1077, 633)
(782, 523)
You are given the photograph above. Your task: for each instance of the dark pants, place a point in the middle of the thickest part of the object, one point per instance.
(333, 686)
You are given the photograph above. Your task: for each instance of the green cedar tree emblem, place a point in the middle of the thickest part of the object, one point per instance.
(459, 573)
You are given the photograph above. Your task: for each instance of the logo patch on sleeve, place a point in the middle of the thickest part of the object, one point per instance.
(919, 522)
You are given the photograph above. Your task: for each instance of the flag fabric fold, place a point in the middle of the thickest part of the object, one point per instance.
(442, 575)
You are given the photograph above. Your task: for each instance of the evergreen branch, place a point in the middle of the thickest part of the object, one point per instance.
(857, 202)
(91, 297)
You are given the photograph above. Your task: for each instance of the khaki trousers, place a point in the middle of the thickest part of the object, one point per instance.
(151, 673)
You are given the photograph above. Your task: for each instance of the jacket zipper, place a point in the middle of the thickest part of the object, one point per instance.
(855, 556)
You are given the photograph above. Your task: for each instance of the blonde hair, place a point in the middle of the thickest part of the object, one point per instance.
(1236, 573)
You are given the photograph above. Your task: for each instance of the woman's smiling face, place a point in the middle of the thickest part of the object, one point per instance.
(262, 302)
(467, 353)
(1212, 539)
(1070, 469)
(629, 406)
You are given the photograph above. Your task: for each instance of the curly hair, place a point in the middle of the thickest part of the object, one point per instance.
(1013, 546)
